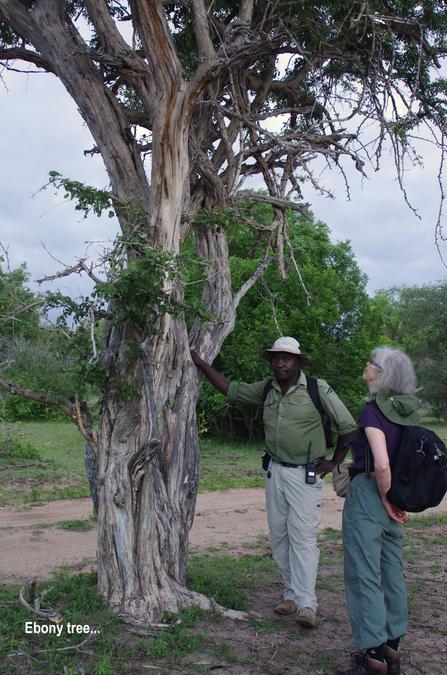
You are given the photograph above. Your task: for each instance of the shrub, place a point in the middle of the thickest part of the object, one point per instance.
(12, 448)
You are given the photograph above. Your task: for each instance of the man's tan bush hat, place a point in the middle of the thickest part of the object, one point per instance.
(286, 344)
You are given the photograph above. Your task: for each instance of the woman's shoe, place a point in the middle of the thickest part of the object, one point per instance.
(392, 659)
(364, 665)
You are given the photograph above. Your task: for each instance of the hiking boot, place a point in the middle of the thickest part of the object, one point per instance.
(392, 659)
(306, 617)
(363, 665)
(285, 607)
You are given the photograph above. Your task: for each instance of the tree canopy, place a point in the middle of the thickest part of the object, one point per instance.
(265, 89)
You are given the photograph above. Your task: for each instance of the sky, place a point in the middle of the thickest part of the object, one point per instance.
(41, 130)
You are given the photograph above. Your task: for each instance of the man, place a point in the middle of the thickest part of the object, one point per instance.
(295, 441)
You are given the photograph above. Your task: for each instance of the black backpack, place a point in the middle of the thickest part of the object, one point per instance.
(312, 390)
(418, 471)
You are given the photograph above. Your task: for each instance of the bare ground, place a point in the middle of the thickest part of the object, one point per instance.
(32, 544)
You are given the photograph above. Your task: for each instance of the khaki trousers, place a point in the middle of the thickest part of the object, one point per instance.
(294, 516)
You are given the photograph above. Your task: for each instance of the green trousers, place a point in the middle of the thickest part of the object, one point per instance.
(373, 566)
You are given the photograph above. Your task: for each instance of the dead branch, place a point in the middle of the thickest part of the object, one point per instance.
(21, 310)
(295, 264)
(55, 649)
(272, 299)
(91, 318)
(85, 428)
(440, 237)
(251, 281)
(30, 588)
(18, 53)
(74, 412)
(74, 269)
(280, 226)
(247, 195)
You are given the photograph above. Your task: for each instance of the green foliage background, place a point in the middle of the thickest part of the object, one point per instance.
(416, 318)
(333, 317)
(33, 354)
(337, 323)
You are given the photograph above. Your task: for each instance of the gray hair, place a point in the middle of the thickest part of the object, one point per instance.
(397, 371)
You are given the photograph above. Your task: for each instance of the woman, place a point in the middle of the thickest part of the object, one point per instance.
(372, 526)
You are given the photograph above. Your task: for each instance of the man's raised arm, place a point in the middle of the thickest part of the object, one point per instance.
(219, 381)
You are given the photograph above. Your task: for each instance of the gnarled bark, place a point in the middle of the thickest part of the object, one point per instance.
(148, 475)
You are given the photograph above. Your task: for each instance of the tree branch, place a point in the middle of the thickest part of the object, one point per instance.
(295, 264)
(201, 31)
(251, 281)
(17, 390)
(75, 269)
(27, 55)
(246, 10)
(106, 28)
(21, 310)
(247, 195)
(163, 63)
(17, 15)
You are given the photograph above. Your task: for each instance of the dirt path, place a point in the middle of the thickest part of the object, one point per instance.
(32, 545)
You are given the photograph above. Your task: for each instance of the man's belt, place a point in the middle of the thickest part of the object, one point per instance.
(290, 466)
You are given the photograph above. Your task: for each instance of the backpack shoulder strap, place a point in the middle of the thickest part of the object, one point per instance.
(265, 392)
(313, 391)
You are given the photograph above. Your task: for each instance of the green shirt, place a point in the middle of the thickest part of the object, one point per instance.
(291, 421)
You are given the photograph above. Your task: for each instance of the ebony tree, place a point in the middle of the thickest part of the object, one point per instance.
(186, 102)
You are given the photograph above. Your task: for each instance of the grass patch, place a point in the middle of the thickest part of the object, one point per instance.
(53, 470)
(76, 525)
(230, 465)
(39, 495)
(76, 599)
(11, 448)
(227, 579)
(329, 534)
(112, 647)
(59, 442)
(426, 522)
(56, 471)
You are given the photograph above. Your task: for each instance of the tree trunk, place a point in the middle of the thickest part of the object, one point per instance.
(148, 453)
(148, 476)
(91, 470)
(148, 445)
